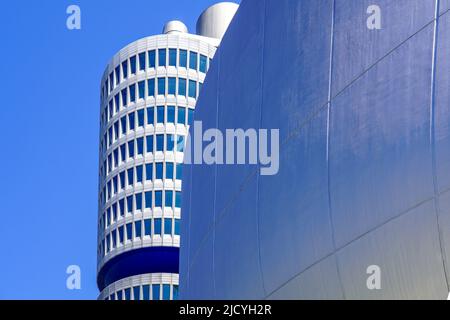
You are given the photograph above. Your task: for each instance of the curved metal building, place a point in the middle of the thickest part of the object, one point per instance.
(148, 96)
(363, 108)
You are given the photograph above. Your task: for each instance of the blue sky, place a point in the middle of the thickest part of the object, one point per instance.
(50, 121)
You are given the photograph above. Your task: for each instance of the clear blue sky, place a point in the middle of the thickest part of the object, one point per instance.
(50, 122)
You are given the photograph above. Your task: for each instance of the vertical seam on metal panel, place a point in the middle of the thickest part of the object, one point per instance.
(433, 137)
(258, 238)
(330, 86)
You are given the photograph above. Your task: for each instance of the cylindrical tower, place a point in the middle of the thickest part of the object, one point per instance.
(148, 95)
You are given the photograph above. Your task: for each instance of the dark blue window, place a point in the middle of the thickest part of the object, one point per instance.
(129, 231)
(127, 294)
(172, 85)
(168, 202)
(142, 61)
(181, 115)
(111, 81)
(140, 114)
(161, 57)
(166, 291)
(175, 293)
(181, 87)
(108, 243)
(159, 142)
(148, 200)
(119, 295)
(130, 174)
(129, 204)
(114, 211)
(138, 228)
(203, 61)
(139, 201)
(192, 88)
(178, 199)
(151, 58)
(156, 292)
(149, 144)
(114, 239)
(117, 102)
(122, 206)
(131, 121)
(161, 86)
(160, 114)
(190, 116)
(139, 173)
(180, 143)
(169, 170)
(123, 123)
(123, 152)
(173, 57)
(157, 226)
(125, 69)
(170, 114)
(158, 201)
(137, 293)
(148, 227)
(151, 87)
(193, 60)
(121, 234)
(133, 65)
(141, 87)
(116, 130)
(183, 58)
(150, 115)
(131, 149)
(140, 146)
(177, 227)
(146, 291)
(170, 142)
(117, 75)
(133, 93)
(122, 180)
(124, 97)
(159, 170)
(149, 171)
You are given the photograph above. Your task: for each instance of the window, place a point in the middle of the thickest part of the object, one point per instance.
(146, 291)
(177, 227)
(122, 207)
(149, 171)
(203, 61)
(142, 61)
(117, 102)
(124, 97)
(190, 116)
(137, 293)
(172, 85)
(129, 204)
(141, 87)
(178, 199)
(159, 170)
(123, 152)
(150, 115)
(138, 228)
(180, 143)
(156, 292)
(116, 130)
(148, 227)
(140, 114)
(139, 173)
(183, 58)
(140, 146)
(168, 202)
(111, 81)
(148, 200)
(131, 149)
(117, 75)
(160, 114)
(121, 234)
(149, 144)
(114, 239)
(181, 115)
(159, 142)
(173, 57)
(181, 87)
(133, 93)
(158, 200)
(119, 295)
(122, 181)
(139, 201)
(170, 142)
(161, 86)
(131, 121)
(127, 294)
(108, 243)
(192, 89)
(130, 175)
(129, 231)
(166, 291)
(123, 124)
(151, 87)
(169, 170)
(125, 69)
(170, 114)
(175, 293)
(193, 60)
(133, 65)
(161, 57)
(151, 58)
(157, 226)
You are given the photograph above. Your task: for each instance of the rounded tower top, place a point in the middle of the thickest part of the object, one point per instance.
(214, 21)
(175, 26)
